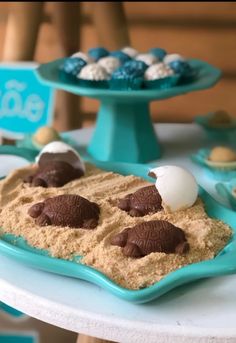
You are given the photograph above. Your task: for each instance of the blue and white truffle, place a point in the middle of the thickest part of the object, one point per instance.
(131, 52)
(158, 71)
(135, 67)
(93, 72)
(72, 66)
(172, 58)
(97, 53)
(109, 63)
(159, 53)
(83, 56)
(180, 65)
(149, 59)
(123, 57)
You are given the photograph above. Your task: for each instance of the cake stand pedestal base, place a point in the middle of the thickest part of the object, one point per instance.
(124, 132)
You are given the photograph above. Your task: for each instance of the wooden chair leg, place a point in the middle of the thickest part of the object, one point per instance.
(22, 29)
(66, 17)
(110, 22)
(89, 339)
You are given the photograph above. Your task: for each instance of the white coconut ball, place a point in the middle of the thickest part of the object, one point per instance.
(131, 52)
(176, 186)
(60, 151)
(93, 72)
(158, 71)
(149, 59)
(84, 57)
(109, 63)
(172, 58)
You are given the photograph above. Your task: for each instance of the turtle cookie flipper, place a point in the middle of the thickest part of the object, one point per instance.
(43, 220)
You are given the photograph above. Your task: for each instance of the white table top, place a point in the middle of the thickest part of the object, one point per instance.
(199, 312)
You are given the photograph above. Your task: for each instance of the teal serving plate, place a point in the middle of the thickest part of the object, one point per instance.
(215, 173)
(224, 263)
(225, 190)
(226, 134)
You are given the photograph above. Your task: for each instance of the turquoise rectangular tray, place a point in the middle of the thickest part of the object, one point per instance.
(224, 263)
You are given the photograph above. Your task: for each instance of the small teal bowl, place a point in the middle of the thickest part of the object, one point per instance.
(218, 174)
(226, 134)
(225, 190)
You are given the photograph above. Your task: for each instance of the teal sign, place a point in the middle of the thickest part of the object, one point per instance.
(11, 338)
(25, 103)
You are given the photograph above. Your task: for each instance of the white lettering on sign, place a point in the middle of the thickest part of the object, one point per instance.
(13, 103)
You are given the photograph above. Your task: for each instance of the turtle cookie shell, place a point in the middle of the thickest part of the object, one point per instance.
(54, 174)
(150, 237)
(144, 201)
(66, 210)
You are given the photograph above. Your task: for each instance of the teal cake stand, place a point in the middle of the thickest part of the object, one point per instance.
(124, 130)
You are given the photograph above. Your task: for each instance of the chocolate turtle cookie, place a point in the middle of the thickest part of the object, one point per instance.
(152, 236)
(66, 210)
(54, 174)
(144, 201)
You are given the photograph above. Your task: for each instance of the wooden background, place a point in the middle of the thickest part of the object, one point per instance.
(197, 29)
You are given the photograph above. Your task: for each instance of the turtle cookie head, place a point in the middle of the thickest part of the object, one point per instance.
(54, 174)
(66, 210)
(144, 201)
(58, 164)
(150, 237)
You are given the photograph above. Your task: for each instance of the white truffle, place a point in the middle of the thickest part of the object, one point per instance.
(60, 151)
(173, 57)
(84, 57)
(131, 52)
(149, 59)
(176, 186)
(158, 71)
(109, 63)
(93, 72)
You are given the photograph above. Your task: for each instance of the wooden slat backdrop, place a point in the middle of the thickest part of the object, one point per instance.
(197, 29)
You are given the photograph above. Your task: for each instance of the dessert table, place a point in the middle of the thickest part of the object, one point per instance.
(203, 311)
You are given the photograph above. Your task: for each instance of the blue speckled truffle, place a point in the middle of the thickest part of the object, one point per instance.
(123, 57)
(97, 53)
(158, 52)
(126, 79)
(135, 67)
(181, 67)
(72, 65)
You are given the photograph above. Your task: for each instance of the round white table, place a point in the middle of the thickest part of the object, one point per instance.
(204, 311)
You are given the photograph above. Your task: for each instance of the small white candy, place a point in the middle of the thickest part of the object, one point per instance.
(131, 52)
(173, 57)
(84, 57)
(158, 71)
(60, 150)
(149, 59)
(109, 63)
(93, 72)
(176, 186)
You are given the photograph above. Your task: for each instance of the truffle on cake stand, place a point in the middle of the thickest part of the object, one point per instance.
(124, 130)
